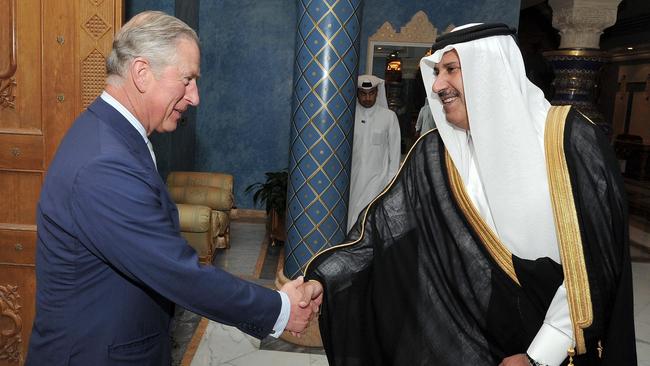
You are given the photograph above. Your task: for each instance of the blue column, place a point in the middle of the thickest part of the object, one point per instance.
(325, 72)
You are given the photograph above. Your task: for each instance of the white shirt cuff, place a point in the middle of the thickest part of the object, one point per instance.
(283, 318)
(550, 346)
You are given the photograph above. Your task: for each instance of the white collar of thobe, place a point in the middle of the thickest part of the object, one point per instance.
(366, 112)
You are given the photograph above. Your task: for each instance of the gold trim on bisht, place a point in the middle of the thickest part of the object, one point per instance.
(490, 240)
(566, 226)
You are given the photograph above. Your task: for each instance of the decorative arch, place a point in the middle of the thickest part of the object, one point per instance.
(419, 31)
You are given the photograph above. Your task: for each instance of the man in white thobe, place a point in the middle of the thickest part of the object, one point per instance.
(376, 145)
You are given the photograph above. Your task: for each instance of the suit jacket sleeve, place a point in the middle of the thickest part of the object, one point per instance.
(120, 217)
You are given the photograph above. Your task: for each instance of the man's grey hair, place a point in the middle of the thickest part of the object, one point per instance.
(152, 35)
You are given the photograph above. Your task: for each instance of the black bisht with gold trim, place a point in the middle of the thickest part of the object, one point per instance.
(417, 283)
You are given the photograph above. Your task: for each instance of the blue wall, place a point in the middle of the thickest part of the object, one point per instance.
(246, 86)
(247, 73)
(133, 7)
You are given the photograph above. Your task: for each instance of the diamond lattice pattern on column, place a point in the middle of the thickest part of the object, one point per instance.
(324, 97)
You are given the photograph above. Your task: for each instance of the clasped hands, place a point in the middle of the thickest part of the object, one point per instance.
(305, 298)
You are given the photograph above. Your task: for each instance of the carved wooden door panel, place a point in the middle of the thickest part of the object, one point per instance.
(52, 56)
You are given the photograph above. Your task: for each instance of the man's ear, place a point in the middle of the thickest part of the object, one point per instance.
(141, 73)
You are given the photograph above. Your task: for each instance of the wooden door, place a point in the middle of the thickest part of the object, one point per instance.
(52, 56)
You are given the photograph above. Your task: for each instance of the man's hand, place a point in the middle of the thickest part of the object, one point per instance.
(301, 311)
(515, 360)
(312, 295)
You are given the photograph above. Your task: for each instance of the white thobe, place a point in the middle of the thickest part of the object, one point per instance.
(375, 156)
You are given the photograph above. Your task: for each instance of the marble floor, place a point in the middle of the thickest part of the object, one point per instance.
(205, 343)
(199, 341)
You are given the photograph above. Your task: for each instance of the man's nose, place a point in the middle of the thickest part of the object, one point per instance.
(192, 94)
(438, 85)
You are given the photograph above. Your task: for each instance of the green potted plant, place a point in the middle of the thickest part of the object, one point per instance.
(273, 195)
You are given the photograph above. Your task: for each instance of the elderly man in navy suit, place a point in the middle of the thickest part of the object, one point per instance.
(110, 261)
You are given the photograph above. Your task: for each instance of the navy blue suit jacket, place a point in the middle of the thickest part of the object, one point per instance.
(110, 262)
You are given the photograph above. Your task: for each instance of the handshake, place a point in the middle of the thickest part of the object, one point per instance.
(305, 298)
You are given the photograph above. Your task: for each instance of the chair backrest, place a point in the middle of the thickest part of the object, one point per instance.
(213, 197)
(185, 179)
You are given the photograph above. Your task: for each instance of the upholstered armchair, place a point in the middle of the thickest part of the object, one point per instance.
(204, 202)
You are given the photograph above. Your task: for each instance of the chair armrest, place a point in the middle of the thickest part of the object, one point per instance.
(194, 218)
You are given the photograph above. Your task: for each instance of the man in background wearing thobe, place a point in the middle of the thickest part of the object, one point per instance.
(376, 146)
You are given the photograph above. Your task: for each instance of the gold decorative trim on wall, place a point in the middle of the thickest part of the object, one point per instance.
(96, 2)
(419, 29)
(418, 32)
(10, 341)
(7, 81)
(93, 76)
